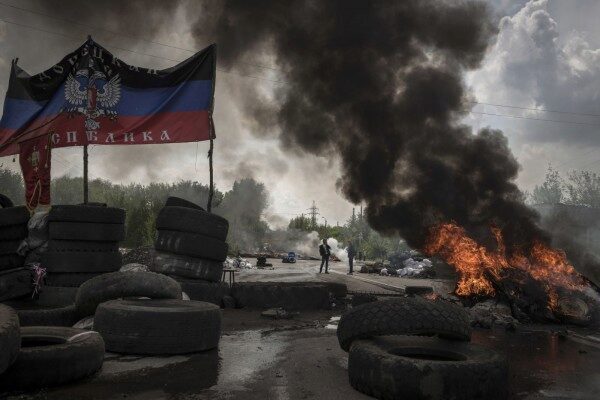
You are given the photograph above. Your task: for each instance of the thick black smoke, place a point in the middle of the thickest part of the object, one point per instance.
(381, 84)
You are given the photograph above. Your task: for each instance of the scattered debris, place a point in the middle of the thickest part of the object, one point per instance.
(134, 267)
(140, 255)
(278, 313)
(237, 263)
(490, 313)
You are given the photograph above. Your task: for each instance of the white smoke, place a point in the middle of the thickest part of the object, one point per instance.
(337, 249)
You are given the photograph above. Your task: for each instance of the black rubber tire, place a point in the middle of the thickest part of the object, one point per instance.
(15, 283)
(87, 231)
(11, 261)
(58, 246)
(158, 326)
(337, 290)
(9, 247)
(5, 202)
(56, 296)
(13, 232)
(418, 290)
(10, 338)
(80, 261)
(419, 368)
(117, 285)
(173, 201)
(211, 292)
(14, 216)
(287, 295)
(404, 316)
(70, 354)
(88, 214)
(184, 219)
(48, 316)
(68, 279)
(191, 244)
(187, 267)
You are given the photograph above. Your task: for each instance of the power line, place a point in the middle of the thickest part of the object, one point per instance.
(534, 119)
(134, 51)
(137, 37)
(535, 109)
(282, 81)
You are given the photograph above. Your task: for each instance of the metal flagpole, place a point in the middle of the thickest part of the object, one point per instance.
(211, 189)
(85, 173)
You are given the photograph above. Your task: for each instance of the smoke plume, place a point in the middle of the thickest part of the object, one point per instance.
(381, 85)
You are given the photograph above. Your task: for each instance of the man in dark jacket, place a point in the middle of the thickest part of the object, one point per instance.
(325, 252)
(351, 253)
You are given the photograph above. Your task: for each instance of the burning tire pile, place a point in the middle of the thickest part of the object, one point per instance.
(389, 358)
(191, 247)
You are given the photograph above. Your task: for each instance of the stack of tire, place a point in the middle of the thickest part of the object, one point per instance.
(390, 359)
(83, 243)
(15, 280)
(40, 356)
(190, 247)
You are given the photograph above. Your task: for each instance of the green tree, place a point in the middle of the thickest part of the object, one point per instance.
(551, 190)
(583, 188)
(11, 185)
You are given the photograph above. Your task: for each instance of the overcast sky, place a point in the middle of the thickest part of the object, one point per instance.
(546, 56)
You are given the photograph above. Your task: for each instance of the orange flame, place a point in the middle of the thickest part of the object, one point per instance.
(479, 267)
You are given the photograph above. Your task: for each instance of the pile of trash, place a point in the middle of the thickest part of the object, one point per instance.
(417, 269)
(237, 263)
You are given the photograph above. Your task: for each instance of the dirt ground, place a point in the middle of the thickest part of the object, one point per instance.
(260, 358)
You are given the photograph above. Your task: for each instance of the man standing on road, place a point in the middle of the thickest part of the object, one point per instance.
(325, 252)
(351, 253)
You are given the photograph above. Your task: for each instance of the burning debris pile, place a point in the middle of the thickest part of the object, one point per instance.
(536, 280)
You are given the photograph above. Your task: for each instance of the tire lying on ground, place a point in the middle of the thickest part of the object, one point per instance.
(80, 261)
(87, 231)
(187, 267)
(52, 355)
(5, 202)
(124, 284)
(10, 340)
(192, 220)
(211, 292)
(14, 216)
(288, 295)
(91, 214)
(55, 316)
(158, 326)
(15, 283)
(191, 244)
(173, 201)
(403, 367)
(404, 316)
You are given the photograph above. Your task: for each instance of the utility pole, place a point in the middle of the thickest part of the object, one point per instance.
(314, 211)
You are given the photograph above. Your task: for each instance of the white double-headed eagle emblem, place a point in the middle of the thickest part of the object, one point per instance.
(89, 92)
